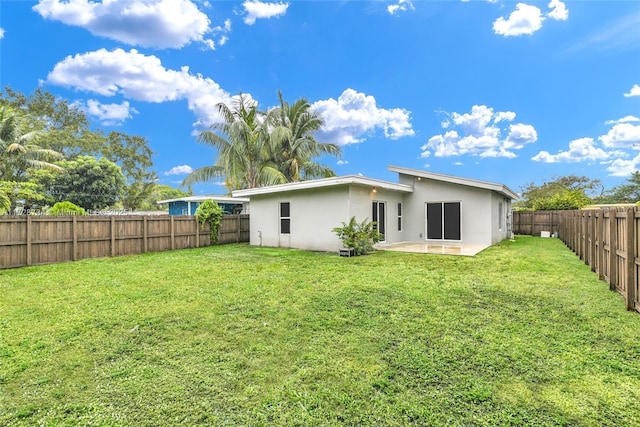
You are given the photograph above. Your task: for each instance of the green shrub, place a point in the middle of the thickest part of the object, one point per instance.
(65, 208)
(360, 236)
(5, 203)
(565, 200)
(210, 213)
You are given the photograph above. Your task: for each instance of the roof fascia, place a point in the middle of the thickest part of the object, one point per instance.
(500, 188)
(323, 183)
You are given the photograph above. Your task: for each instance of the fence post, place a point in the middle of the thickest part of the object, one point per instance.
(613, 243)
(145, 234)
(583, 235)
(630, 260)
(173, 234)
(533, 215)
(197, 232)
(74, 234)
(113, 235)
(600, 238)
(238, 235)
(28, 239)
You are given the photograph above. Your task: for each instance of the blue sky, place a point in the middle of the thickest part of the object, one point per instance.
(512, 92)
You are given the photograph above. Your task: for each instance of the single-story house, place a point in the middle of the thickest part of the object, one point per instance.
(421, 207)
(188, 205)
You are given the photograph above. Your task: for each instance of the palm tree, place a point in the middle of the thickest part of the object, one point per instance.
(243, 143)
(18, 151)
(295, 146)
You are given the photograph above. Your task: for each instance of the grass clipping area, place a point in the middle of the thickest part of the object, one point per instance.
(522, 334)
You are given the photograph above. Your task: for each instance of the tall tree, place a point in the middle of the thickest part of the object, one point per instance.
(629, 192)
(89, 183)
(18, 149)
(242, 141)
(65, 127)
(295, 146)
(565, 192)
(133, 155)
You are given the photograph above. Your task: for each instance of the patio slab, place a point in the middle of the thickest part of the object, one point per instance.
(463, 249)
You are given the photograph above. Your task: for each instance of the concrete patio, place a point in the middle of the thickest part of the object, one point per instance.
(443, 248)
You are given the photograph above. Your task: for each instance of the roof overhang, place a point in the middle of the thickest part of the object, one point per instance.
(221, 199)
(499, 188)
(323, 183)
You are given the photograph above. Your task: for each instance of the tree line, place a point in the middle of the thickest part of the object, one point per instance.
(576, 192)
(50, 153)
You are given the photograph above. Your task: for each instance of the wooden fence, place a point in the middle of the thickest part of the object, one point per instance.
(31, 240)
(532, 223)
(608, 240)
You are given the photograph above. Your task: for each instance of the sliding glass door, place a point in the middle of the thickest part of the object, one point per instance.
(378, 216)
(443, 221)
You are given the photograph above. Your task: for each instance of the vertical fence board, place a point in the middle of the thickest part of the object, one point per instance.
(630, 260)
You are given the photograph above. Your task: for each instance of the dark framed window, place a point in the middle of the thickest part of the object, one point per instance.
(285, 218)
(399, 216)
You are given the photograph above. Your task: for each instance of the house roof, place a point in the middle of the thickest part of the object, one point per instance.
(215, 198)
(500, 188)
(325, 182)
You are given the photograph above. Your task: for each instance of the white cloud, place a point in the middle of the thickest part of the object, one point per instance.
(1, 33)
(477, 133)
(401, 6)
(622, 135)
(223, 30)
(520, 135)
(109, 114)
(258, 10)
(342, 162)
(525, 19)
(635, 91)
(620, 167)
(354, 115)
(147, 23)
(558, 11)
(580, 150)
(141, 78)
(616, 144)
(180, 170)
(625, 119)
(504, 116)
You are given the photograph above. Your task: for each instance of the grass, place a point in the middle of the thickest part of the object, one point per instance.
(522, 334)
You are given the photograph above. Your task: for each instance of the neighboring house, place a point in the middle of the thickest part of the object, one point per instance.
(188, 205)
(422, 206)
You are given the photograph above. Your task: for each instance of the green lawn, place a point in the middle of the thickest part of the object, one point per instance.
(522, 334)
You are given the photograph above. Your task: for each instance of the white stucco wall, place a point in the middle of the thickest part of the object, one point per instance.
(314, 213)
(475, 209)
(361, 198)
(499, 233)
